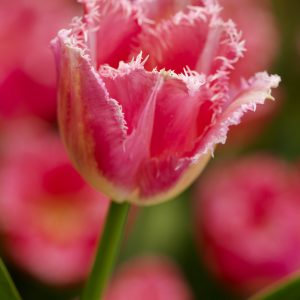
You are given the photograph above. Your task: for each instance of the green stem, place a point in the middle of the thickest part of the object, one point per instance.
(7, 286)
(106, 253)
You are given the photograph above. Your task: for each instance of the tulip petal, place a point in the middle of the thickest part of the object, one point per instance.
(85, 109)
(112, 43)
(136, 91)
(101, 135)
(164, 178)
(196, 38)
(176, 43)
(130, 86)
(156, 10)
(161, 126)
(251, 93)
(164, 172)
(178, 102)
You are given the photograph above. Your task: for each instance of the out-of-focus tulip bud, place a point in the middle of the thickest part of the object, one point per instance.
(50, 219)
(141, 130)
(148, 278)
(247, 221)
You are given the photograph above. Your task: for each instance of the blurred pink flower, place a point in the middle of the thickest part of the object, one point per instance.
(49, 217)
(136, 130)
(148, 278)
(247, 221)
(27, 69)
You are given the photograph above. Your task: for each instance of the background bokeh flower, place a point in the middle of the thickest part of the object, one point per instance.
(50, 219)
(27, 71)
(148, 278)
(247, 221)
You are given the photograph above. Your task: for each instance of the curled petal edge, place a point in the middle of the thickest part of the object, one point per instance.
(253, 92)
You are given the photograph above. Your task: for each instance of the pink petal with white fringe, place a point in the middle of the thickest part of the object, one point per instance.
(141, 126)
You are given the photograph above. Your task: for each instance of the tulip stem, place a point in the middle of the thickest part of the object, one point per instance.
(107, 251)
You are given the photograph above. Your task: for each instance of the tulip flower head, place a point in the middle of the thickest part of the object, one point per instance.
(144, 102)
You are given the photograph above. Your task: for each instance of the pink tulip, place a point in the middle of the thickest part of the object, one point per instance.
(142, 104)
(148, 278)
(27, 68)
(49, 217)
(247, 221)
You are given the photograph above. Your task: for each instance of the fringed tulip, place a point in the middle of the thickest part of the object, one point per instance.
(247, 217)
(148, 278)
(142, 104)
(50, 219)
